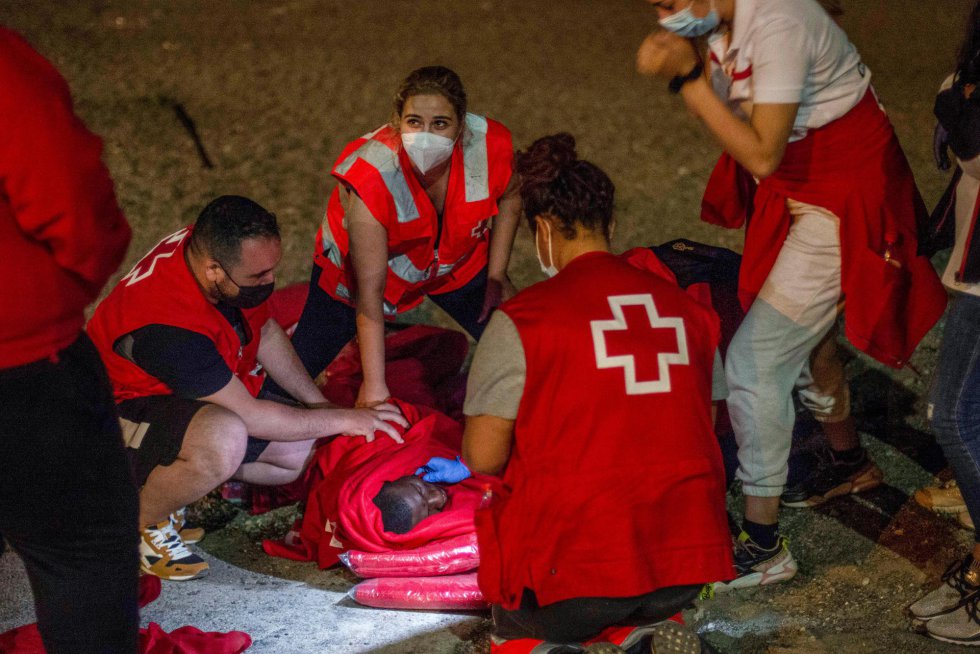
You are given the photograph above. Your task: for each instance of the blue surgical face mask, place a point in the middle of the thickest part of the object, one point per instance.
(685, 23)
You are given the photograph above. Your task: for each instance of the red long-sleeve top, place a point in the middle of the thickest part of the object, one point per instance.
(62, 233)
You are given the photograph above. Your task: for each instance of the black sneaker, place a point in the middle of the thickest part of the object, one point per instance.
(832, 478)
(756, 566)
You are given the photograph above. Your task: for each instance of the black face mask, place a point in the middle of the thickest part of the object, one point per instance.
(248, 297)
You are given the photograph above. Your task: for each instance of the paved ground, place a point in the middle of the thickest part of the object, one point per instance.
(277, 87)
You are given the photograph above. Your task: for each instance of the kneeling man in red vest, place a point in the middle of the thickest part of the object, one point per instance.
(188, 340)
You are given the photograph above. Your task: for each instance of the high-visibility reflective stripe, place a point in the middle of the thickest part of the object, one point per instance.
(330, 248)
(403, 267)
(475, 164)
(386, 163)
(387, 307)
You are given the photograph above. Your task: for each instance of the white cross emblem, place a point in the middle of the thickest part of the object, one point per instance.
(141, 271)
(628, 361)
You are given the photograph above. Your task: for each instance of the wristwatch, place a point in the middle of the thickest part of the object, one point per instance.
(680, 80)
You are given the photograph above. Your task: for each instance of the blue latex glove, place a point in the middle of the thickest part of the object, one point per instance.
(440, 470)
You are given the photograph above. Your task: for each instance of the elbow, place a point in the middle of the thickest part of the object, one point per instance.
(764, 165)
(762, 169)
(485, 467)
(481, 464)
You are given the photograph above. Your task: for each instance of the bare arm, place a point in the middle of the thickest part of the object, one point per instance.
(277, 356)
(278, 422)
(486, 443)
(499, 288)
(369, 254)
(759, 144)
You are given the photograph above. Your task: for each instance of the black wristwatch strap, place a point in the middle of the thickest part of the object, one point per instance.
(680, 80)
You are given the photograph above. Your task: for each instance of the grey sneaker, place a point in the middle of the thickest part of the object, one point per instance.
(960, 582)
(961, 626)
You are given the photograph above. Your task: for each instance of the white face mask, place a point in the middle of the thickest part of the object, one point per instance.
(549, 270)
(427, 150)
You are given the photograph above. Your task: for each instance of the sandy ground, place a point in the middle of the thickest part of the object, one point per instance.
(277, 88)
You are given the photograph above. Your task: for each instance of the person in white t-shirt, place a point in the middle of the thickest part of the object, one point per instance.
(811, 157)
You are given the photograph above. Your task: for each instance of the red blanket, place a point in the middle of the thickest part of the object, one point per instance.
(153, 639)
(348, 473)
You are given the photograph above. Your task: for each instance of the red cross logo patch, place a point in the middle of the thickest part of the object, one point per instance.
(602, 330)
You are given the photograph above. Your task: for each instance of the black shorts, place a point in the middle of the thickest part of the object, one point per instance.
(153, 429)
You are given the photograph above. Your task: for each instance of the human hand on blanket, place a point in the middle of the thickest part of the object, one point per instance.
(365, 422)
(446, 471)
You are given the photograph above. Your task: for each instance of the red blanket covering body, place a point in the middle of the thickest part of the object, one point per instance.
(348, 473)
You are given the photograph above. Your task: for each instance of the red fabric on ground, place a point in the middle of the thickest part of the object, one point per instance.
(449, 593)
(153, 639)
(422, 366)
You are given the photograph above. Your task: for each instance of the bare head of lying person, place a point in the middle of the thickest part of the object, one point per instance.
(407, 501)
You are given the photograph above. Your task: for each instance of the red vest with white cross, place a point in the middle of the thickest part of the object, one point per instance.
(160, 290)
(420, 261)
(615, 481)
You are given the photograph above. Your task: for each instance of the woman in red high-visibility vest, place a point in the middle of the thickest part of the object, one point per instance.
(591, 392)
(425, 207)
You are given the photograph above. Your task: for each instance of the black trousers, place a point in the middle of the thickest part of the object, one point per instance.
(582, 618)
(68, 504)
(327, 325)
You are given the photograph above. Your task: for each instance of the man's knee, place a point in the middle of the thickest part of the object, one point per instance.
(215, 442)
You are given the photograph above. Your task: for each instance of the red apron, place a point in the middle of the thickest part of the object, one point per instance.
(855, 168)
(613, 440)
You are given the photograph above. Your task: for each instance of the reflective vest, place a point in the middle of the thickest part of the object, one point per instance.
(160, 290)
(421, 260)
(615, 485)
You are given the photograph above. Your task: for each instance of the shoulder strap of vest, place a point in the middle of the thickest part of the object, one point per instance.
(382, 159)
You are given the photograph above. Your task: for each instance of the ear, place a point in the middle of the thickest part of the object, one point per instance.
(540, 220)
(213, 271)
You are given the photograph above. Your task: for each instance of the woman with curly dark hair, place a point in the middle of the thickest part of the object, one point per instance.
(952, 611)
(425, 207)
(591, 392)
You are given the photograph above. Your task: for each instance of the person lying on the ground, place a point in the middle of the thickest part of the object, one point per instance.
(408, 500)
(187, 340)
(366, 497)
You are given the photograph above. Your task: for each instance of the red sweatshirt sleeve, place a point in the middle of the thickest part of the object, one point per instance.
(51, 172)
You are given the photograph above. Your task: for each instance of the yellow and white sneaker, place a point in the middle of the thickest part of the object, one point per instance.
(189, 535)
(942, 498)
(164, 554)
